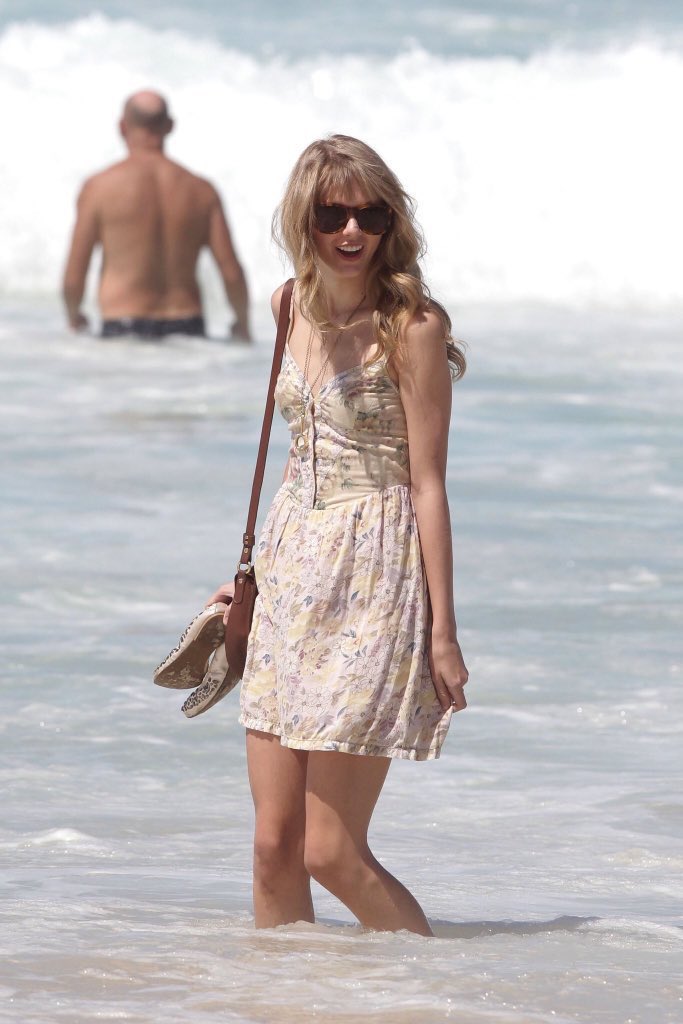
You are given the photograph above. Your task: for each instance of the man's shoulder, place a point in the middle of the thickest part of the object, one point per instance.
(194, 180)
(111, 170)
(102, 178)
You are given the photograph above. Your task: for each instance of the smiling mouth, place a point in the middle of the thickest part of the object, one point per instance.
(350, 252)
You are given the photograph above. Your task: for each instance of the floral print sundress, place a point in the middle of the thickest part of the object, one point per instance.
(337, 650)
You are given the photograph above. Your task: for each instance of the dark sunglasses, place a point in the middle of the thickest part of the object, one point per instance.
(372, 220)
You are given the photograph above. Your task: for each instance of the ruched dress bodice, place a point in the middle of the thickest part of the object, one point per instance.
(357, 438)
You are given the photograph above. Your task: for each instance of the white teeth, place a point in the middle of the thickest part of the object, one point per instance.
(349, 248)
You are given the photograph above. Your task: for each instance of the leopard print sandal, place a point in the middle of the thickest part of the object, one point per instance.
(218, 681)
(188, 662)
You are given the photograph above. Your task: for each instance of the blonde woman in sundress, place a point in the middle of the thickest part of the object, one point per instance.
(353, 655)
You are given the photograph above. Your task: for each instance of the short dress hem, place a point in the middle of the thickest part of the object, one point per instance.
(430, 753)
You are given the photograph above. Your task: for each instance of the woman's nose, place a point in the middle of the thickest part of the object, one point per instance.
(351, 226)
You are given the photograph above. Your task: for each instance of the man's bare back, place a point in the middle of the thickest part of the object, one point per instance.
(152, 218)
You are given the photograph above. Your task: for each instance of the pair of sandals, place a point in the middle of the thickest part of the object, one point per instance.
(199, 660)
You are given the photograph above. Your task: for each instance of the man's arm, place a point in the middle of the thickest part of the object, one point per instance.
(85, 237)
(223, 251)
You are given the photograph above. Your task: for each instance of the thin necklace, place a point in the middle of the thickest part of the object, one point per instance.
(300, 439)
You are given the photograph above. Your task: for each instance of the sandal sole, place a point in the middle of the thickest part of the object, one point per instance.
(186, 665)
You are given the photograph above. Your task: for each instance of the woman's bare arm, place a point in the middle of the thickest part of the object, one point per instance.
(426, 392)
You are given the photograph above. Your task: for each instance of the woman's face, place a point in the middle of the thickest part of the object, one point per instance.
(347, 253)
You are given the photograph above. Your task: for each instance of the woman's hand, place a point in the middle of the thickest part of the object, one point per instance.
(448, 669)
(224, 595)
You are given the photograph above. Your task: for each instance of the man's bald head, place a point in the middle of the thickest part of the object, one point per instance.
(149, 111)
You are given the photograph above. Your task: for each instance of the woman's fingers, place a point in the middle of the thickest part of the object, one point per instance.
(450, 696)
(449, 675)
(444, 697)
(456, 689)
(457, 694)
(439, 685)
(224, 594)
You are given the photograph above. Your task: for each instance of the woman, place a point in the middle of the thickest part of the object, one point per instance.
(346, 668)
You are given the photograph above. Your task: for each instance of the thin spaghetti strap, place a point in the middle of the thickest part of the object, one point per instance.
(291, 317)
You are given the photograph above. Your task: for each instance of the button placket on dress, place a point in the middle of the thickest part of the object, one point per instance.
(307, 457)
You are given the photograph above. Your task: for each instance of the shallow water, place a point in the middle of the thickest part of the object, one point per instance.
(545, 844)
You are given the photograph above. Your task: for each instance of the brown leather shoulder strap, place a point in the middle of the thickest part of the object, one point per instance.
(249, 538)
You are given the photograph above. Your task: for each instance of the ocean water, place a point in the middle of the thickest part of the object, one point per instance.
(553, 178)
(545, 845)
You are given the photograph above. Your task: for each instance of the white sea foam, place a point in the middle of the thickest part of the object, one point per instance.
(65, 837)
(654, 930)
(555, 178)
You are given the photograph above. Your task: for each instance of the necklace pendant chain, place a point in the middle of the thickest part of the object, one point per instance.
(300, 438)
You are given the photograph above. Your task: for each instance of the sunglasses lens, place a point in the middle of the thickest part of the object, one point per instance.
(374, 220)
(329, 219)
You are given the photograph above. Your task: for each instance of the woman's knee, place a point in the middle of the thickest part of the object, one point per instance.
(278, 846)
(331, 859)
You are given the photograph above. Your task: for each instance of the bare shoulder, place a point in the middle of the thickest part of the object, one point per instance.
(97, 182)
(94, 187)
(105, 182)
(109, 174)
(206, 188)
(275, 300)
(423, 342)
(202, 186)
(201, 189)
(207, 197)
(425, 328)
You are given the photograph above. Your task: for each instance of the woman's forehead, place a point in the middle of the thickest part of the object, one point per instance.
(341, 183)
(349, 194)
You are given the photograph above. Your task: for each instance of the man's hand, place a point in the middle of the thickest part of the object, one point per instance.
(79, 323)
(239, 331)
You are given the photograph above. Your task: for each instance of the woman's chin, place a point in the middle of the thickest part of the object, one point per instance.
(346, 269)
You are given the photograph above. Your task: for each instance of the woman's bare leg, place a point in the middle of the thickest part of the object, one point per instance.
(282, 885)
(341, 793)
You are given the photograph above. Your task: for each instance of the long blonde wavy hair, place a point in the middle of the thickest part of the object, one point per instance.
(395, 286)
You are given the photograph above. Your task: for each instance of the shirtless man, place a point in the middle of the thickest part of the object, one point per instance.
(152, 218)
